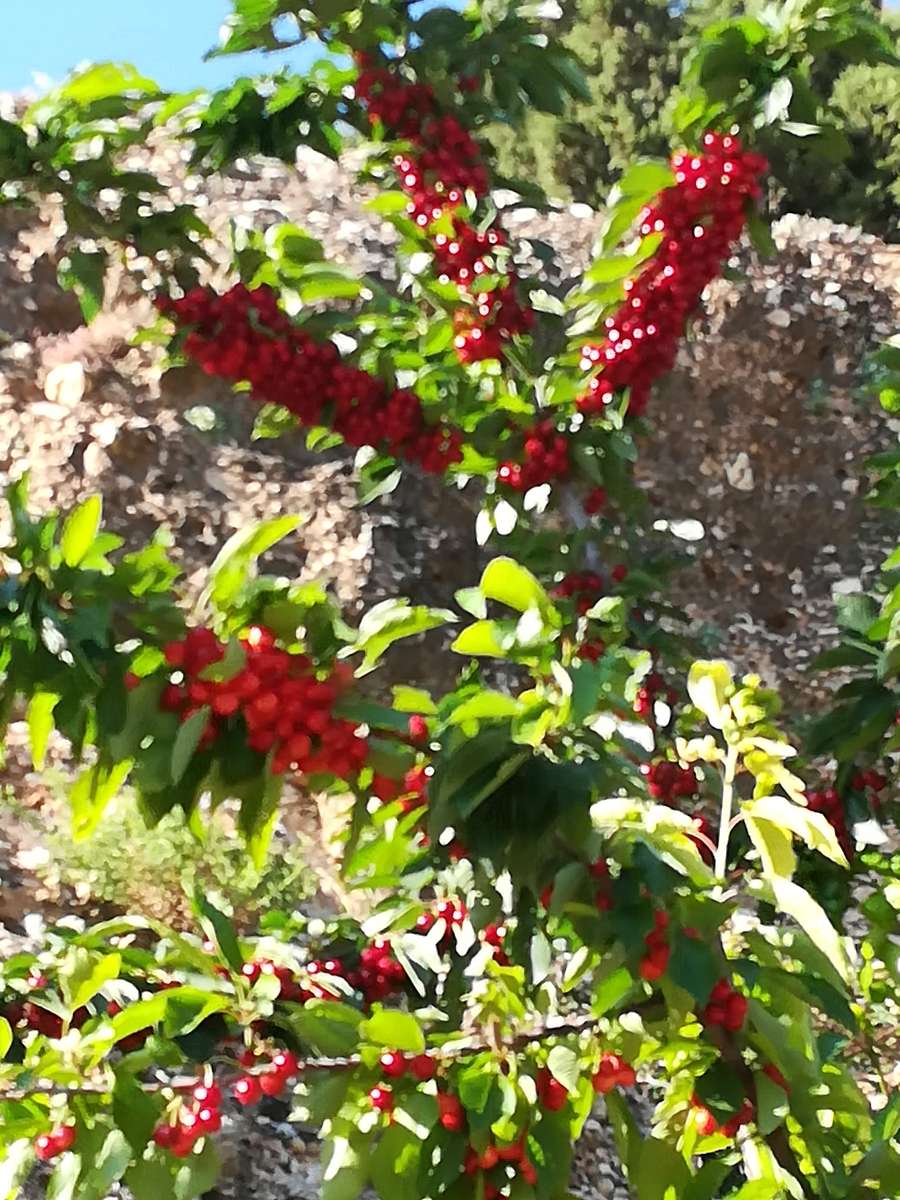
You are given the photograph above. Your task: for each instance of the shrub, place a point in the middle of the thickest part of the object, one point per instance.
(605, 871)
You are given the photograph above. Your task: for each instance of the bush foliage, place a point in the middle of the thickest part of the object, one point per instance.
(623, 866)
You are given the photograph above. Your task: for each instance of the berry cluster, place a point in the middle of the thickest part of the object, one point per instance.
(829, 803)
(612, 1072)
(286, 707)
(669, 782)
(196, 1119)
(451, 912)
(379, 973)
(443, 165)
(281, 1069)
(510, 1158)
(727, 1008)
(654, 962)
(546, 457)
(395, 1065)
(697, 219)
(243, 336)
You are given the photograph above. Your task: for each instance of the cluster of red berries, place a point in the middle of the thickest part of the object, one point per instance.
(411, 791)
(669, 782)
(444, 164)
(698, 219)
(707, 1124)
(613, 1071)
(282, 1068)
(829, 803)
(287, 708)
(196, 1119)
(509, 1155)
(379, 973)
(243, 336)
(395, 1065)
(451, 912)
(546, 457)
(291, 989)
(654, 962)
(727, 1008)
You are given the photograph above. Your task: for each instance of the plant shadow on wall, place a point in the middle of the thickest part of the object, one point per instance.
(605, 872)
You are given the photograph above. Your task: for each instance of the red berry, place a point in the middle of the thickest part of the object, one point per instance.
(393, 1064)
(423, 1067)
(382, 1099)
(247, 1090)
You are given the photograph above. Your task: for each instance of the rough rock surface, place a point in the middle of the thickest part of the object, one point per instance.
(758, 435)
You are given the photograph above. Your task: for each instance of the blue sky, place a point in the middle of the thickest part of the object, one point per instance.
(166, 39)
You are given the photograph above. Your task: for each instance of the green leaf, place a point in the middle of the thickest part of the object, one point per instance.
(6, 1036)
(485, 706)
(236, 561)
(91, 793)
(562, 1063)
(273, 421)
(796, 902)
(390, 621)
(106, 80)
(15, 1164)
(188, 1007)
(82, 975)
(198, 1173)
(40, 725)
(186, 742)
(855, 611)
(774, 846)
(660, 1172)
(134, 1111)
(110, 1165)
(394, 1163)
(328, 1026)
(143, 1014)
(219, 929)
(509, 583)
(62, 1183)
(80, 529)
(708, 685)
(481, 640)
(474, 1086)
(811, 827)
(85, 274)
(344, 1174)
(395, 1031)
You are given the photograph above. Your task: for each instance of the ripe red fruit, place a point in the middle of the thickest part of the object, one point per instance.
(285, 1061)
(489, 1158)
(513, 1152)
(50, 1145)
(209, 1120)
(452, 1114)
(551, 1093)
(247, 1090)
(393, 1064)
(382, 1099)
(423, 1067)
(272, 1083)
(528, 1172)
(165, 1136)
(418, 730)
(207, 1095)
